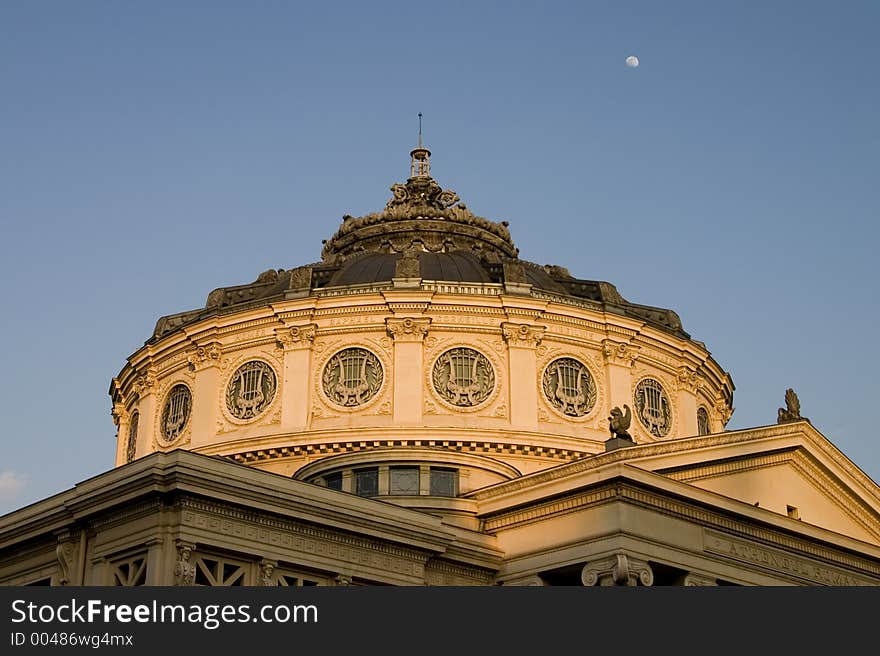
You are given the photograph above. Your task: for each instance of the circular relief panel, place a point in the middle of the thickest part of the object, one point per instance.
(250, 390)
(652, 407)
(352, 377)
(175, 414)
(569, 387)
(463, 377)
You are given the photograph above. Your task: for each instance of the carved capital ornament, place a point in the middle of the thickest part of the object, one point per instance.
(407, 329)
(520, 334)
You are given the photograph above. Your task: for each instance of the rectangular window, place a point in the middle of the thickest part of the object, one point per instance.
(366, 482)
(444, 482)
(334, 481)
(404, 480)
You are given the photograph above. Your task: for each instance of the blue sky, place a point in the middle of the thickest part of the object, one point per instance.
(151, 152)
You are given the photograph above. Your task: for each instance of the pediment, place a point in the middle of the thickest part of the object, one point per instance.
(799, 474)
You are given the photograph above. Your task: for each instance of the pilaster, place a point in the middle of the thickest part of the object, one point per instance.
(204, 361)
(619, 358)
(522, 342)
(408, 334)
(296, 342)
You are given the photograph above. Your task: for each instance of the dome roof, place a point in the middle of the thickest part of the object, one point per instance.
(424, 233)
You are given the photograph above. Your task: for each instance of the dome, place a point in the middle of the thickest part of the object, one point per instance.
(419, 360)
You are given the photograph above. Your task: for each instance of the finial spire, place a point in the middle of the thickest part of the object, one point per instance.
(420, 164)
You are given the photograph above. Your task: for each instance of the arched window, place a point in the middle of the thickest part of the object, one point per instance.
(131, 447)
(702, 421)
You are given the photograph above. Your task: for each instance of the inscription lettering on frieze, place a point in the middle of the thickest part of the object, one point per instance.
(294, 542)
(778, 561)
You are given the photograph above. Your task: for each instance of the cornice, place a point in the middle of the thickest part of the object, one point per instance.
(618, 490)
(685, 445)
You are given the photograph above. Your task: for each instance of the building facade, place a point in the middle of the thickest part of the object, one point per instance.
(424, 407)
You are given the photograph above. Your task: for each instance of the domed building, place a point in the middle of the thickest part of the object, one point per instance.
(422, 406)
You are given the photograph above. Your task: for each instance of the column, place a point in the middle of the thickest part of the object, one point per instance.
(408, 334)
(522, 342)
(296, 342)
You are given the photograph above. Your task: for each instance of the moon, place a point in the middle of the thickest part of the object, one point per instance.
(632, 61)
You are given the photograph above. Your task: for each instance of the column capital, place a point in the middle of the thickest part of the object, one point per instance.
(407, 329)
(619, 569)
(204, 355)
(291, 337)
(522, 334)
(622, 353)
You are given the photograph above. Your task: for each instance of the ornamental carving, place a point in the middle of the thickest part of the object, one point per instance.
(352, 377)
(204, 356)
(250, 390)
(184, 570)
(176, 412)
(295, 335)
(652, 407)
(620, 352)
(408, 329)
(688, 379)
(145, 381)
(420, 192)
(463, 377)
(522, 334)
(619, 569)
(569, 387)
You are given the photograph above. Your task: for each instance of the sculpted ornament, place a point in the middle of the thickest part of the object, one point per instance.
(463, 377)
(619, 569)
(145, 381)
(176, 412)
(627, 354)
(569, 387)
(352, 377)
(250, 390)
(407, 329)
(522, 334)
(723, 410)
(792, 410)
(64, 554)
(618, 423)
(204, 355)
(184, 571)
(652, 407)
(295, 336)
(267, 569)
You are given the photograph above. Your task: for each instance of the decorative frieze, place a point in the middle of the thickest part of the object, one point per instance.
(619, 569)
(407, 329)
(296, 538)
(778, 561)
